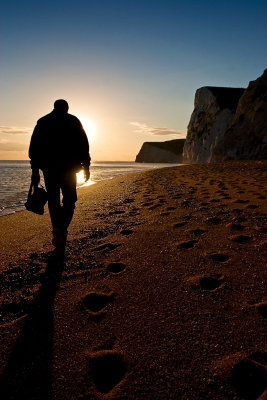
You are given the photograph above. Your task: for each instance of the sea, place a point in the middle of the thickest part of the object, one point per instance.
(15, 177)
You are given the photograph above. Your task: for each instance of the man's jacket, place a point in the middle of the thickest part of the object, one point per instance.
(59, 141)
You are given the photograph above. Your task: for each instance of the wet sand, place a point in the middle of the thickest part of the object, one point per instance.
(161, 293)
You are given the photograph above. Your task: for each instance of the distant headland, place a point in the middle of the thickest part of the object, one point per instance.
(169, 151)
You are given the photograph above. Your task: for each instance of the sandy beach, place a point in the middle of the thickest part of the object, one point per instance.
(161, 293)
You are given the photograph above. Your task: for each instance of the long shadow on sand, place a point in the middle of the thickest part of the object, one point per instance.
(27, 374)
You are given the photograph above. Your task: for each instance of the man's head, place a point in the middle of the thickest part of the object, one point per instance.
(61, 105)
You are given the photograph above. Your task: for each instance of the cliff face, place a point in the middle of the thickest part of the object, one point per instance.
(213, 113)
(228, 123)
(161, 152)
(246, 136)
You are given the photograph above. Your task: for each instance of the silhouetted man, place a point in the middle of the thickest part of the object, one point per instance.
(59, 147)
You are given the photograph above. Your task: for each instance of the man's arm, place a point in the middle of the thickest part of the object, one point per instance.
(86, 173)
(84, 152)
(35, 178)
(33, 151)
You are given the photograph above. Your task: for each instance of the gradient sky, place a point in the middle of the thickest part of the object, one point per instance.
(128, 68)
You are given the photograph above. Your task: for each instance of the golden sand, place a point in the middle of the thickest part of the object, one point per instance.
(161, 294)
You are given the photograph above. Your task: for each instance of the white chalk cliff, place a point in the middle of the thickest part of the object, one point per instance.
(212, 115)
(228, 123)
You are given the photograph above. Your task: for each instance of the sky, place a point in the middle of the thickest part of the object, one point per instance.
(129, 69)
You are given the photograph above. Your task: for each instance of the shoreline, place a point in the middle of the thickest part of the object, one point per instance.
(99, 171)
(164, 272)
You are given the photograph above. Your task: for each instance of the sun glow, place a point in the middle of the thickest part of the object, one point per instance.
(89, 130)
(88, 127)
(81, 179)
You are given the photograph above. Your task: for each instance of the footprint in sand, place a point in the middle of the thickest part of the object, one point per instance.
(213, 221)
(236, 227)
(203, 209)
(236, 210)
(206, 283)
(187, 217)
(117, 212)
(106, 247)
(241, 219)
(240, 201)
(242, 239)
(126, 232)
(107, 368)
(148, 204)
(187, 245)
(262, 308)
(154, 206)
(162, 202)
(134, 213)
(249, 376)
(116, 267)
(211, 283)
(179, 224)
(96, 302)
(198, 231)
(219, 257)
(252, 206)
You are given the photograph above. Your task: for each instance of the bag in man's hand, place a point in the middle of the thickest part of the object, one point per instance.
(37, 197)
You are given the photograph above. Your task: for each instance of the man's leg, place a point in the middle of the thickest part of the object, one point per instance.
(52, 184)
(69, 192)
